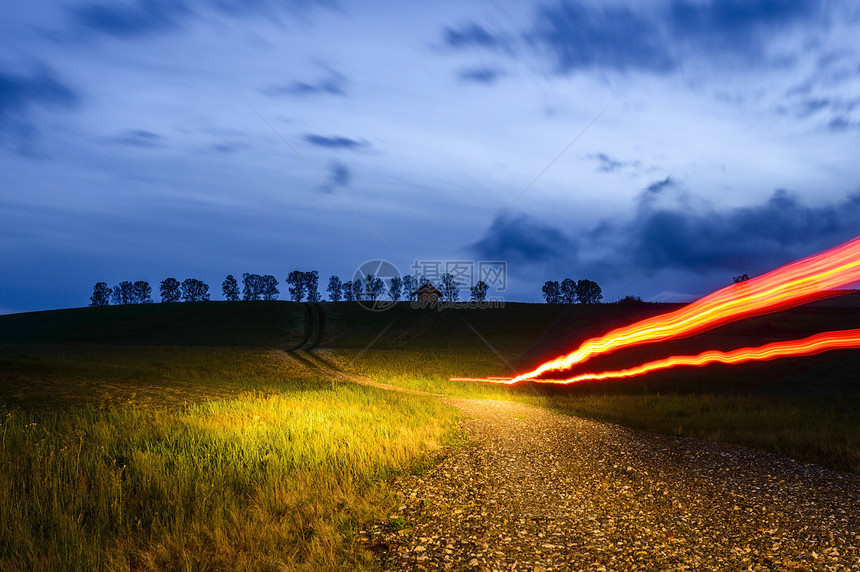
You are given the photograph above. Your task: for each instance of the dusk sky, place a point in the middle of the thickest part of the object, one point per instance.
(190, 138)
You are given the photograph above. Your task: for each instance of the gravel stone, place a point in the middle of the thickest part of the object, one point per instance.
(536, 490)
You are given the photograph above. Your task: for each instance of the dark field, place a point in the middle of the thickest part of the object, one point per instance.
(144, 436)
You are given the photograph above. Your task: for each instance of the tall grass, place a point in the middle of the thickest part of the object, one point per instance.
(819, 427)
(263, 480)
(816, 430)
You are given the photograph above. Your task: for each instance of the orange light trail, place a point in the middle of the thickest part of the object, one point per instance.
(819, 343)
(797, 283)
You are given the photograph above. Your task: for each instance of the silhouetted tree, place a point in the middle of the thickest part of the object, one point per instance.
(269, 287)
(348, 292)
(334, 288)
(193, 290)
(588, 292)
(373, 287)
(101, 295)
(169, 290)
(629, 300)
(450, 287)
(567, 291)
(410, 284)
(123, 293)
(230, 288)
(395, 287)
(252, 286)
(311, 282)
(741, 278)
(357, 290)
(479, 291)
(296, 279)
(141, 292)
(551, 292)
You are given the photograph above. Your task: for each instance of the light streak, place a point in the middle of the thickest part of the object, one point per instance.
(797, 283)
(819, 343)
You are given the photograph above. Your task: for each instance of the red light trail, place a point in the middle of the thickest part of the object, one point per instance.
(797, 283)
(819, 343)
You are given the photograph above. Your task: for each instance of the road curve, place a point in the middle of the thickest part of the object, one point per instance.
(538, 490)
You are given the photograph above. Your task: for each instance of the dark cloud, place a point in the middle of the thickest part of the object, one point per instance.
(140, 138)
(21, 94)
(658, 187)
(608, 164)
(134, 19)
(842, 123)
(229, 147)
(242, 8)
(825, 97)
(139, 18)
(340, 175)
(335, 142)
(334, 84)
(736, 25)
(483, 75)
(522, 239)
(750, 239)
(578, 36)
(473, 35)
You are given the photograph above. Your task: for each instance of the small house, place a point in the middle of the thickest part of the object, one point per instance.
(427, 293)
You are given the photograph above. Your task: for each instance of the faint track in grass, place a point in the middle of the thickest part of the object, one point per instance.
(538, 490)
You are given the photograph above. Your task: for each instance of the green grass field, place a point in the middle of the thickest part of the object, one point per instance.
(185, 437)
(197, 459)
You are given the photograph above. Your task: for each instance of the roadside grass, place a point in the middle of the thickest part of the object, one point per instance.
(430, 371)
(810, 429)
(247, 461)
(820, 425)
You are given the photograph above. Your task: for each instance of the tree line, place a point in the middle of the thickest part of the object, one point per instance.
(302, 286)
(570, 291)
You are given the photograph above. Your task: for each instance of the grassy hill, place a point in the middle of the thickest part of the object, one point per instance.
(283, 324)
(523, 334)
(187, 436)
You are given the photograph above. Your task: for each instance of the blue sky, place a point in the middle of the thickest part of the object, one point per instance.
(151, 138)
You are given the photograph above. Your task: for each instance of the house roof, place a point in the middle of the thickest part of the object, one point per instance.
(428, 289)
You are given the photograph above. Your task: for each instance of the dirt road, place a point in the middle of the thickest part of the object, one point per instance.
(541, 491)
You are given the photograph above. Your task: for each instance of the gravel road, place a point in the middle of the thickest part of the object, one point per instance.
(538, 490)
